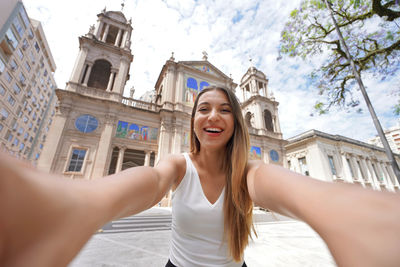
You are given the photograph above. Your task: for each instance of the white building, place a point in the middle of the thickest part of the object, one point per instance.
(340, 159)
(393, 137)
(27, 95)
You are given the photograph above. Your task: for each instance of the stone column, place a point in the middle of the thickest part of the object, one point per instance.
(111, 81)
(49, 156)
(77, 71)
(118, 37)
(147, 158)
(89, 70)
(97, 31)
(124, 38)
(120, 78)
(120, 160)
(103, 150)
(346, 172)
(104, 37)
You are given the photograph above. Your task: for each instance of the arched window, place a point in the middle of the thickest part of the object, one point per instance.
(100, 74)
(191, 83)
(203, 85)
(268, 120)
(248, 119)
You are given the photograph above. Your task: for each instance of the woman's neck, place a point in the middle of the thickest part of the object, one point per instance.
(211, 160)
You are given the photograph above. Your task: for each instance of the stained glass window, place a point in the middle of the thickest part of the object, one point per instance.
(86, 123)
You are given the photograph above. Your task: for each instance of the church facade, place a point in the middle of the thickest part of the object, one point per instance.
(97, 131)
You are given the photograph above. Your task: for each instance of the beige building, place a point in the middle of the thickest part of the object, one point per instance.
(27, 95)
(340, 159)
(97, 131)
(393, 137)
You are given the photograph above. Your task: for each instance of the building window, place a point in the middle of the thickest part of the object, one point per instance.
(1, 127)
(22, 78)
(25, 44)
(77, 159)
(2, 90)
(13, 65)
(11, 100)
(20, 54)
(21, 146)
(4, 113)
(20, 131)
(26, 136)
(332, 165)
(24, 17)
(17, 89)
(27, 66)
(2, 65)
(9, 136)
(16, 142)
(350, 167)
(18, 27)
(37, 47)
(25, 119)
(11, 39)
(8, 76)
(86, 123)
(303, 166)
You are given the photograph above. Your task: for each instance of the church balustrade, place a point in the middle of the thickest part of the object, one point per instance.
(140, 104)
(91, 91)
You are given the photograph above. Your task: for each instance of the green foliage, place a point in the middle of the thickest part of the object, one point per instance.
(374, 44)
(396, 109)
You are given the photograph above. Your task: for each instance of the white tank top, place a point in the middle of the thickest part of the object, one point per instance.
(197, 225)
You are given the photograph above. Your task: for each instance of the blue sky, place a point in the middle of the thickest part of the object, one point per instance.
(231, 34)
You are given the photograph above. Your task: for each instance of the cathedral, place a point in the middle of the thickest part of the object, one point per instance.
(97, 131)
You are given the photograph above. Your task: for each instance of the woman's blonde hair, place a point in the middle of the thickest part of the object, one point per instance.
(238, 206)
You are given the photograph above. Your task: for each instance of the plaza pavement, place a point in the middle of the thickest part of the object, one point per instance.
(281, 242)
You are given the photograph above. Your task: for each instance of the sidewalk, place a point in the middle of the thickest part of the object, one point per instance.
(280, 243)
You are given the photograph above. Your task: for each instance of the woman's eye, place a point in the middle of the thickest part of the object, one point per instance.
(226, 110)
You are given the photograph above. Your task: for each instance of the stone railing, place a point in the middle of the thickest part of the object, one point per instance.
(94, 92)
(264, 133)
(140, 104)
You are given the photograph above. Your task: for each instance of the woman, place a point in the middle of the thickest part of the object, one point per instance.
(45, 221)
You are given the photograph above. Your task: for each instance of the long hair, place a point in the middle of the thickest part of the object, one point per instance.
(238, 206)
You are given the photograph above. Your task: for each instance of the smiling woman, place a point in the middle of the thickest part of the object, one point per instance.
(47, 219)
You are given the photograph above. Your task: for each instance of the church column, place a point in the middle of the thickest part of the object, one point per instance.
(120, 78)
(118, 37)
(97, 31)
(147, 158)
(111, 80)
(77, 71)
(89, 70)
(103, 149)
(346, 168)
(48, 155)
(104, 38)
(120, 160)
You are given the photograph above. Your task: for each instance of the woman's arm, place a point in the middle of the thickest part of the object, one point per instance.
(46, 219)
(361, 227)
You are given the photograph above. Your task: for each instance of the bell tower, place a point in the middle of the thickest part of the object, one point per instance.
(259, 107)
(102, 65)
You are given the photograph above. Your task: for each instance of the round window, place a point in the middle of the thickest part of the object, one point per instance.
(86, 123)
(274, 155)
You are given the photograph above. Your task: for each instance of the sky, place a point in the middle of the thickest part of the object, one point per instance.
(231, 34)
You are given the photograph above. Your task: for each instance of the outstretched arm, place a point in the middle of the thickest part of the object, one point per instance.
(361, 227)
(45, 219)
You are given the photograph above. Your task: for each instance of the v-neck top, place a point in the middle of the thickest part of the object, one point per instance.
(197, 225)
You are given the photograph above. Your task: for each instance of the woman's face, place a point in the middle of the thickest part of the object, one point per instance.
(213, 120)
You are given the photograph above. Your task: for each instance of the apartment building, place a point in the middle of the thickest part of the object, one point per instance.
(27, 85)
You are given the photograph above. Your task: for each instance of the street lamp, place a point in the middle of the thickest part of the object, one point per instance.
(377, 124)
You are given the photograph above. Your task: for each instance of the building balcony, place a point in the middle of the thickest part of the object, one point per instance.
(93, 92)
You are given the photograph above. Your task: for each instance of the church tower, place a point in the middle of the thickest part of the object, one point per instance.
(104, 58)
(260, 111)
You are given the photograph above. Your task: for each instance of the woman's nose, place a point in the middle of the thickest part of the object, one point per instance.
(213, 115)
